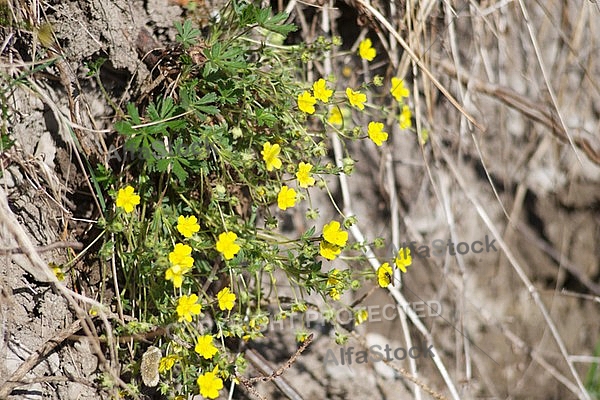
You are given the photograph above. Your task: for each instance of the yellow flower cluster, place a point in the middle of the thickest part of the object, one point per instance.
(400, 92)
(307, 101)
(255, 327)
(361, 316)
(188, 308)
(167, 362)
(334, 239)
(210, 382)
(287, 196)
(181, 263)
(333, 281)
(385, 274)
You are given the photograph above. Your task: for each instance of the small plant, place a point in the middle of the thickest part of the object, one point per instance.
(211, 165)
(592, 379)
(186, 33)
(5, 142)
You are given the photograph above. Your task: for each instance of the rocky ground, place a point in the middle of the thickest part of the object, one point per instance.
(519, 321)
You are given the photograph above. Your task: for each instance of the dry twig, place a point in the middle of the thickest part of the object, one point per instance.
(273, 375)
(43, 249)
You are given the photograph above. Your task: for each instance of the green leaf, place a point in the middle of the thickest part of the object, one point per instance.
(133, 113)
(163, 164)
(210, 110)
(273, 23)
(207, 98)
(179, 171)
(309, 233)
(124, 128)
(265, 118)
(94, 66)
(203, 104)
(162, 110)
(186, 33)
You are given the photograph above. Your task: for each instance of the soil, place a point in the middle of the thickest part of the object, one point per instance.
(530, 181)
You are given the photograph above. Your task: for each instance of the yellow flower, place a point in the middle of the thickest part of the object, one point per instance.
(334, 294)
(58, 272)
(301, 336)
(376, 133)
(405, 118)
(356, 99)
(188, 306)
(303, 175)
(384, 275)
(226, 299)
(127, 199)
(334, 235)
(403, 259)
(332, 279)
(286, 198)
(328, 250)
(187, 226)
(210, 384)
(336, 117)
(361, 316)
(320, 90)
(366, 50)
(181, 255)
(270, 154)
(181, 262)
(166, 363)
(398, 89)
(205, 346)
(306, 102)
(226, 245)
(175, 274)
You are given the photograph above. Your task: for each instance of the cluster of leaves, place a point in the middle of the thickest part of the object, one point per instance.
(212, 164)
